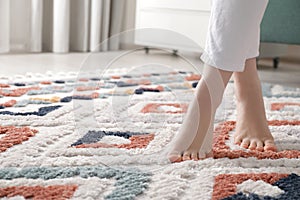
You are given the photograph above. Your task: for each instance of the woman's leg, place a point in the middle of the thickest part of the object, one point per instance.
(252, 130)
(198, 123)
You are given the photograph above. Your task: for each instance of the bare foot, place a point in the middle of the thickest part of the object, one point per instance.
(201, 147)
(200, 142)
(194, 140)
(252, 130)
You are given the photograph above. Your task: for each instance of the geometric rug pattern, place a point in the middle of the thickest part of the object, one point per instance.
(64, 137)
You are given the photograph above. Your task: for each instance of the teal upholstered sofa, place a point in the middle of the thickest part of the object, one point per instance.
(281, 23)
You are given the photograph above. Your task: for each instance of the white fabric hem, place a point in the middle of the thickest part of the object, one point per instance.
(207, 60)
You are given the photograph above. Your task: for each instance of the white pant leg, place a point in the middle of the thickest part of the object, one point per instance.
(234, 33)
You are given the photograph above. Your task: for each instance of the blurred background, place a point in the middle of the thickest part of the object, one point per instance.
(58, 34)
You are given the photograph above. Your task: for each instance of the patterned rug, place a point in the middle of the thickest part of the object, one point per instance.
(63, 137)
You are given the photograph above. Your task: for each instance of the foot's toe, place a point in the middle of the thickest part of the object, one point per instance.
(270, 145)
(245, 143)
(253, 145)
(186, 156)
(238, 140)
(175, 158)
(202, 155)
(259, 146)
(194, 156)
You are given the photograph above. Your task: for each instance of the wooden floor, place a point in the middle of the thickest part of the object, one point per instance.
(287, 74)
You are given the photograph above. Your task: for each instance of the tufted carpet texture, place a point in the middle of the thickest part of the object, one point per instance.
(102, 137)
